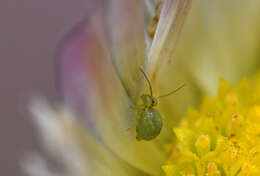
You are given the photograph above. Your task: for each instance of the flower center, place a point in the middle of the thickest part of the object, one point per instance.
(222, 137)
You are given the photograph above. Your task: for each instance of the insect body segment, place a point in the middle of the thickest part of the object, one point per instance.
(149, 122)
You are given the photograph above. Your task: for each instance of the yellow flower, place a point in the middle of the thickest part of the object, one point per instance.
(222, 137)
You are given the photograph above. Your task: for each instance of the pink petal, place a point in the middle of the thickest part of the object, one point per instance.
(72, 74)
(84, 66)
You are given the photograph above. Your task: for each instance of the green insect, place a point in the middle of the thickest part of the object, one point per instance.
(149, 122)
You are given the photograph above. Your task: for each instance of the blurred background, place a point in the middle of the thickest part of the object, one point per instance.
(29, 31)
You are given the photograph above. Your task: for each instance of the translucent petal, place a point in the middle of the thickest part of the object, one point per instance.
(126, 35)
(72, 146)
(222, 38)
(90, 84)
(170, 23)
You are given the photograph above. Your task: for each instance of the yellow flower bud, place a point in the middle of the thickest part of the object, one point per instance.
(212, 170)
(203, 145)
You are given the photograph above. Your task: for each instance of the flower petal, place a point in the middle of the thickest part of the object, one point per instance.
(77, 152)
(222, 39)
(70, 58)
(126, 34)
(90, 84)
(171, 20)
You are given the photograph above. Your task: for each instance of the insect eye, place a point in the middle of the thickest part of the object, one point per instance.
(154, 102)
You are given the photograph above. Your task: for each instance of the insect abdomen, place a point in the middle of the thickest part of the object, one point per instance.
(149, 124)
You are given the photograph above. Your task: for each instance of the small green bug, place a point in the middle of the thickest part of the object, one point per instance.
(149, 122)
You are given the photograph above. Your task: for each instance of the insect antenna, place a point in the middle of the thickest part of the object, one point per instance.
(149, 83)
(172, 92)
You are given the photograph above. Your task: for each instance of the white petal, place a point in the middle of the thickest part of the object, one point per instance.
(171, 20)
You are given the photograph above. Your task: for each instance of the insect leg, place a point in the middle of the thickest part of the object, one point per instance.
(137, 107)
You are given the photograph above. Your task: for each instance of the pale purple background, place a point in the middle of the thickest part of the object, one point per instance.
(29, 30)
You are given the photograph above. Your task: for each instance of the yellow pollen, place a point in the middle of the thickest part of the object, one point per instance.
(222, 137)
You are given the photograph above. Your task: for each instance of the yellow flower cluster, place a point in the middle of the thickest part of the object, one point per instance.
(222, 138)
